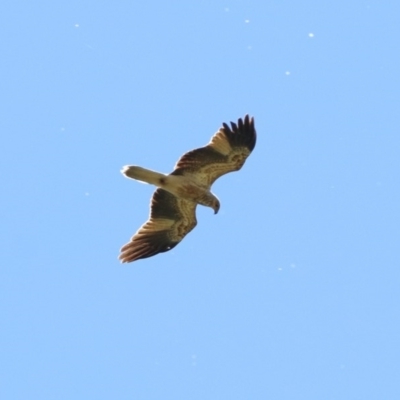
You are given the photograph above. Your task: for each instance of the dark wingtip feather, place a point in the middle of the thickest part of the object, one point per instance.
(241, 133)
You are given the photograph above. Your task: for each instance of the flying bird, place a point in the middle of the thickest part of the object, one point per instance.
(173, 205)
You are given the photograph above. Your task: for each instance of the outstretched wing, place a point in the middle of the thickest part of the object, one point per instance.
(171, 219)
(226, 152)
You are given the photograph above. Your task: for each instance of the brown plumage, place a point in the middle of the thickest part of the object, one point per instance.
(173, 205)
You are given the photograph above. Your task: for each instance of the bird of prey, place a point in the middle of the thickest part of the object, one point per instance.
(173, 205)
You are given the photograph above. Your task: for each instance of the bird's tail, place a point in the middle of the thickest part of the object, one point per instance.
(143, 175)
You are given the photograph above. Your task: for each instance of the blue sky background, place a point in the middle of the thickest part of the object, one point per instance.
(291, 291)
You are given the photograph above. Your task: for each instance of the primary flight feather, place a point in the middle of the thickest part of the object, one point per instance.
(173, 205)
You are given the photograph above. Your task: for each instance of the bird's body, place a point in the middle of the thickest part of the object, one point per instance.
(173, 205)
(182, 186)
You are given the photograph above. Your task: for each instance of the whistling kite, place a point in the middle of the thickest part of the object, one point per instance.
(173, 206)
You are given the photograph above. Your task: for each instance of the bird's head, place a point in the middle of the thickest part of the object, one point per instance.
(216, 205)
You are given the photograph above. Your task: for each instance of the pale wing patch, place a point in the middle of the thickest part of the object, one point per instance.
(219, 143)
(159, 224)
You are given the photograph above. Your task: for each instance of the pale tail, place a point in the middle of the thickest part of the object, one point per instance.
(143, 174)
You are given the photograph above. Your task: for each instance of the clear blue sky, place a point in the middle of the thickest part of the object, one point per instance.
(292, 291)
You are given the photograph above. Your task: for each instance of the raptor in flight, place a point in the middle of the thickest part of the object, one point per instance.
(173, 205)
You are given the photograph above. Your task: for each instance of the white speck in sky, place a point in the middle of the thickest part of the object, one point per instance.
(287, 73)
(226, 9)
(194, 360)
(76, 25)
(246, 21)
(280, 269)
(86, 194)
(311, 35)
